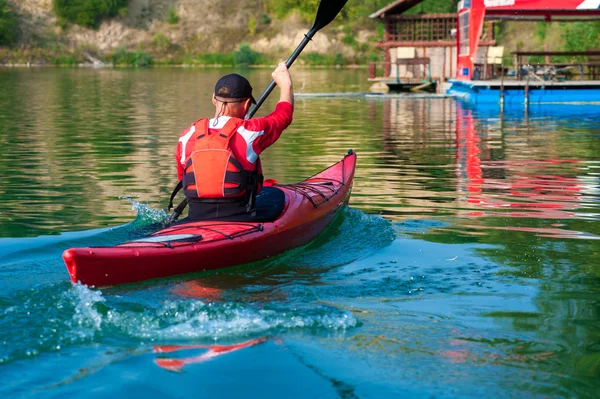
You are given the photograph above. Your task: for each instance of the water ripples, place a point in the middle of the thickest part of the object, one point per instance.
(467, 254)
(264, 299)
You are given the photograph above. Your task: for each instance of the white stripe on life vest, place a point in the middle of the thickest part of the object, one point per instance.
(220, 122)
(184, 139)
(249, 136)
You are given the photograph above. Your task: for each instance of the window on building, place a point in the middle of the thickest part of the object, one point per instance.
(463, 20)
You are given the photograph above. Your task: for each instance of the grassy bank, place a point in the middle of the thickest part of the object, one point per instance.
(243, 56)
(124, 58)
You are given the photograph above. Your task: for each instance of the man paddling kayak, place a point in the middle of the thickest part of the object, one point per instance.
(218, 159)
(310, 205)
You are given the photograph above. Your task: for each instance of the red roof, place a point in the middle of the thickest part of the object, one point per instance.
(549, 10)
(397, 7)
(538, 5)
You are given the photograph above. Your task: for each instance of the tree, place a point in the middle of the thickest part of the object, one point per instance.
(88, 13)
(582, 36)
(8, 24)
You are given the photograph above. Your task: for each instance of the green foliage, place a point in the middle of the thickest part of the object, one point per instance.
(372, 57)
(160, 41)
(8, 24)
(314, 58)
(244, 55)
(499, 28)
(66, 59)
(141, 59)
(536, 59)
(540, 30)
(582, 36)
(520, 45)
(265, 19)
(318, 59)
(173, 18)
(355, 11)
(221, 59)
(282, 8)
(361, 9)
(434, 7)
(88, 13)
(380, 31)
(349, 37)
(349, 40)
(338, 59)
(131, 58)
(252, 24)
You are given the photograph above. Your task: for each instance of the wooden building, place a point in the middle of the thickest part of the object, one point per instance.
(544, 83)
(419, 50)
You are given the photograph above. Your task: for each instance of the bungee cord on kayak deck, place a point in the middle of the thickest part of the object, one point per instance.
(306, 187)
(166, 242)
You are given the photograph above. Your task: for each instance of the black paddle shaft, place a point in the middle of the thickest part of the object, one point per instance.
(328, 9)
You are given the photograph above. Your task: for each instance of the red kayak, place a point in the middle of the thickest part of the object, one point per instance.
(182, 248)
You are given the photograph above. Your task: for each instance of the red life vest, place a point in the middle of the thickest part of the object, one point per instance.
(212, 173)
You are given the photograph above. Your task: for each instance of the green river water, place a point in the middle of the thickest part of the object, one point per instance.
(467, 265)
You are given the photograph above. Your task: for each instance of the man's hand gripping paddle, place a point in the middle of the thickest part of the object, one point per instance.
(328, 10)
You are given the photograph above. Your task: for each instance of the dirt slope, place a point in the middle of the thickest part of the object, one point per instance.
(204, 26)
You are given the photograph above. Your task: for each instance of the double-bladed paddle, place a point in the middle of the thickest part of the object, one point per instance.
(328, 10)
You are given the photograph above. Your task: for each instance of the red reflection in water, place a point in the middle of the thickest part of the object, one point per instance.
(469, 352)
(196, 290)
(209, 353)
(521, 191)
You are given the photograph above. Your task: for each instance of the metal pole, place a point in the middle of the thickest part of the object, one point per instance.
(527, 91)
(502, 85)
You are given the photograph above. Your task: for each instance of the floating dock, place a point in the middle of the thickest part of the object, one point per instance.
(509, 92)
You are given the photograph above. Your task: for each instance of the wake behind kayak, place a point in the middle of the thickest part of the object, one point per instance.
(310, 206)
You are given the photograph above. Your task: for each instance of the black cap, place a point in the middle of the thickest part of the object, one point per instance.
(235, 87)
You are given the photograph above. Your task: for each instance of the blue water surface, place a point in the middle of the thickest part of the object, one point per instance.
(466, 265)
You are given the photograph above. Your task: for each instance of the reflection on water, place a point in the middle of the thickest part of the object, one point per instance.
(467, 261)
(209, 352)
(84, 139)
(525, 178)
(449, 162)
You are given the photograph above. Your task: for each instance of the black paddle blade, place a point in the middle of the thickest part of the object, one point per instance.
(328, 10)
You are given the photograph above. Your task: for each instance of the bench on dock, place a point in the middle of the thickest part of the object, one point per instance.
(488, 62)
